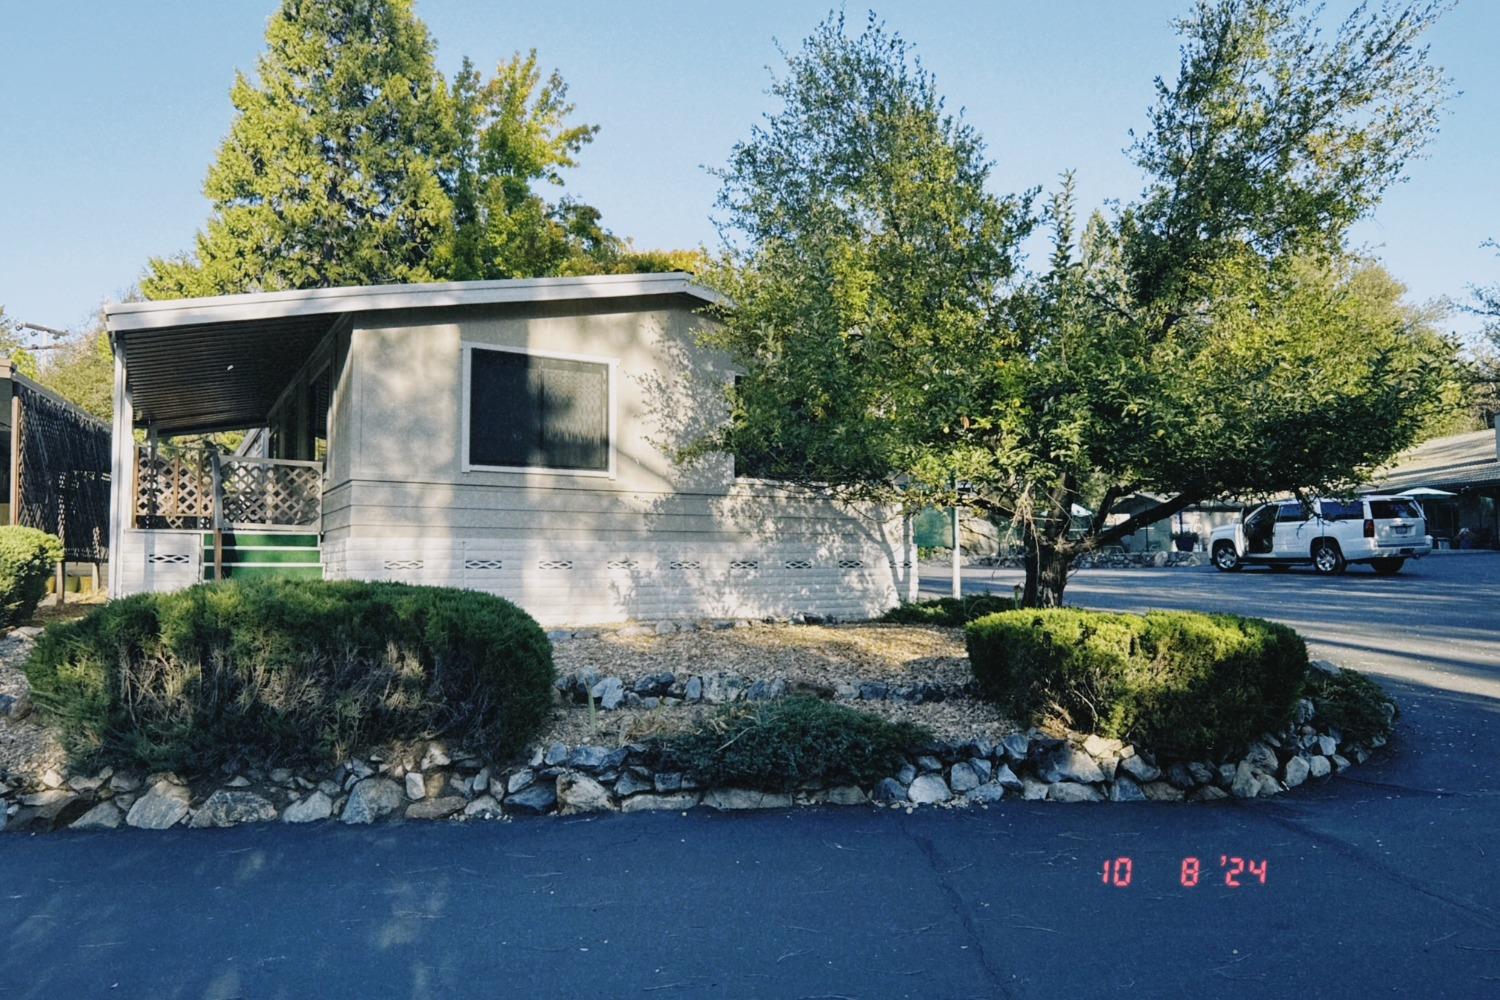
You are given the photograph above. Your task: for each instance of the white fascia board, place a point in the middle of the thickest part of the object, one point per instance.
(125, 317)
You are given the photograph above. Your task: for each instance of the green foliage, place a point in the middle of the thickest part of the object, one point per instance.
(27, 560)
(291, 671)
(83, 371)
(1215, 336)
(862, 256)
(351, 161)
(1353, 703)
(949, 612)
(787, 744)
(12, 346)
(1180, 683)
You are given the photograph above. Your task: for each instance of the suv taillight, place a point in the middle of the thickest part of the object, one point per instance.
(1369, 528)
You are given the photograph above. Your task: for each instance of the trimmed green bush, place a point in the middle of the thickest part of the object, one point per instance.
(782, 745)
(951, 612)
(1353, 703)
(28, 558)
(1176, 682)
(292, 672)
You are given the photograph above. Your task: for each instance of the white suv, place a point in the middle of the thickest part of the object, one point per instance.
(1383, 531)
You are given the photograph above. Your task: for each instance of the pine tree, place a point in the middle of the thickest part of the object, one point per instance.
(332, 172)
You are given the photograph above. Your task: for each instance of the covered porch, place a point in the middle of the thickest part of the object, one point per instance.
(220, 441)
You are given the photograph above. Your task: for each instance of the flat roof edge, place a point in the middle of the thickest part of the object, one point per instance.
(126, 317)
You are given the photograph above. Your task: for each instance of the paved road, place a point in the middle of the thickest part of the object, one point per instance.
(1377, 884)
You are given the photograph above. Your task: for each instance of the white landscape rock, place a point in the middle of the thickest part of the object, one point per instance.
(104, 816)
(578, 793)
(745, 798)
(1297, 769)
(372, 799)
(650, 802)
(928, 789)
(231, 807)
(416, 785)
(316, 806)
(162, 807)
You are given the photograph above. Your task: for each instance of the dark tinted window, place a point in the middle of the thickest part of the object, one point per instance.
(533, 412)
(1383, 509)
(1343, 510)
(1291, 512)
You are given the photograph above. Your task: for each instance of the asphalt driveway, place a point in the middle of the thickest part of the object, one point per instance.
(1382, 883)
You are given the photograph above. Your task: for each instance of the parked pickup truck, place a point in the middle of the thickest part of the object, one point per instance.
(1383, 531)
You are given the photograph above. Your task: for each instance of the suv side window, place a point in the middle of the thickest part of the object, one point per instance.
(1291, 512)
(1343, 510)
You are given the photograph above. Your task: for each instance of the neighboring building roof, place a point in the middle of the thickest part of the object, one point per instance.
(219, 363)
(1471, 459)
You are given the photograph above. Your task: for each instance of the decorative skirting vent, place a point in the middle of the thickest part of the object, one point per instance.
(799, 564)
(484, 564)
(555, 564)
(169, 558)
(684, 564)
(622, 564)
(744, 564)
(850, 564)
(403, 564)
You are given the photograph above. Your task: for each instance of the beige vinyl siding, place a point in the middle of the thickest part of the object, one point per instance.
(655, 539)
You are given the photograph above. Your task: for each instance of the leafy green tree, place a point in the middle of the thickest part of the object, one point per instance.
(13, 346)
(1214, 337)
(83, 371)
(332, 170)
(351, 160)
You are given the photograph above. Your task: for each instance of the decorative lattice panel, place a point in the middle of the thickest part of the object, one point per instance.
(555, 564)
(173, 491)
(622, 564)
(799, 564)
(484, 564)
(850, 564)
(403, 564)
(177, 491)
(744, 564)
(271, 493)
(63, 474)
(172, 558)
(684, 564)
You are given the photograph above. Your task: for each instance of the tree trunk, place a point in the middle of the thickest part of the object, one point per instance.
(1047, 565)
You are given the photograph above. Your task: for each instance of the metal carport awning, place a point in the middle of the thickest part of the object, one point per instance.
(216, 376)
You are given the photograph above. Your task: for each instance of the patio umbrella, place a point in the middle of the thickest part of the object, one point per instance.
(1426, 493)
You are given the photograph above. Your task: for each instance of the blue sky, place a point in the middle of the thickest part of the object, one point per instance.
(111, 112)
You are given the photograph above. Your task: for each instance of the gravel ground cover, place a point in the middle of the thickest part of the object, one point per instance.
(821, 659)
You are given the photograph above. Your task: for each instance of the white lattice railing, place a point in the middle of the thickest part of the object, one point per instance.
(201, 490)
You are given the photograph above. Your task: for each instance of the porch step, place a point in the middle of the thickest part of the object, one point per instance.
(262, 555)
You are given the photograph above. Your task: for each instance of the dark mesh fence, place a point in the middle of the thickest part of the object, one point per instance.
(64, 475)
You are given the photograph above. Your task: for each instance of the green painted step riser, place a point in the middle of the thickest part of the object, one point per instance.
(267, 572)
(264, 556)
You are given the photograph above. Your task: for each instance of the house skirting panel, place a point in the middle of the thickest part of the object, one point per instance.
(580, 583)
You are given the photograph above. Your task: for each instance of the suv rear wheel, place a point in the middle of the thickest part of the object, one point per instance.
(1326, 557)
(1226, 558)
(1387, 567)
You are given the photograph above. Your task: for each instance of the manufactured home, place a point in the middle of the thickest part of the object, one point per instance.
(517, 437)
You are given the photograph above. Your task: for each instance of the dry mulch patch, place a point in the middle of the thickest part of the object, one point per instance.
(818, 658)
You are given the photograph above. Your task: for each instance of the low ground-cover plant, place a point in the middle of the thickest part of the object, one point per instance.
(27, 559)
(291, 671)
(1179, 683)
(950, 612)
(782, 745)
(1356, 705)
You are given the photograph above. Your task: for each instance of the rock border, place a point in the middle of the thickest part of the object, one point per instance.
(436, 784)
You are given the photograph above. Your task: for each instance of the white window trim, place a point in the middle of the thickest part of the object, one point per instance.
(611, 409)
